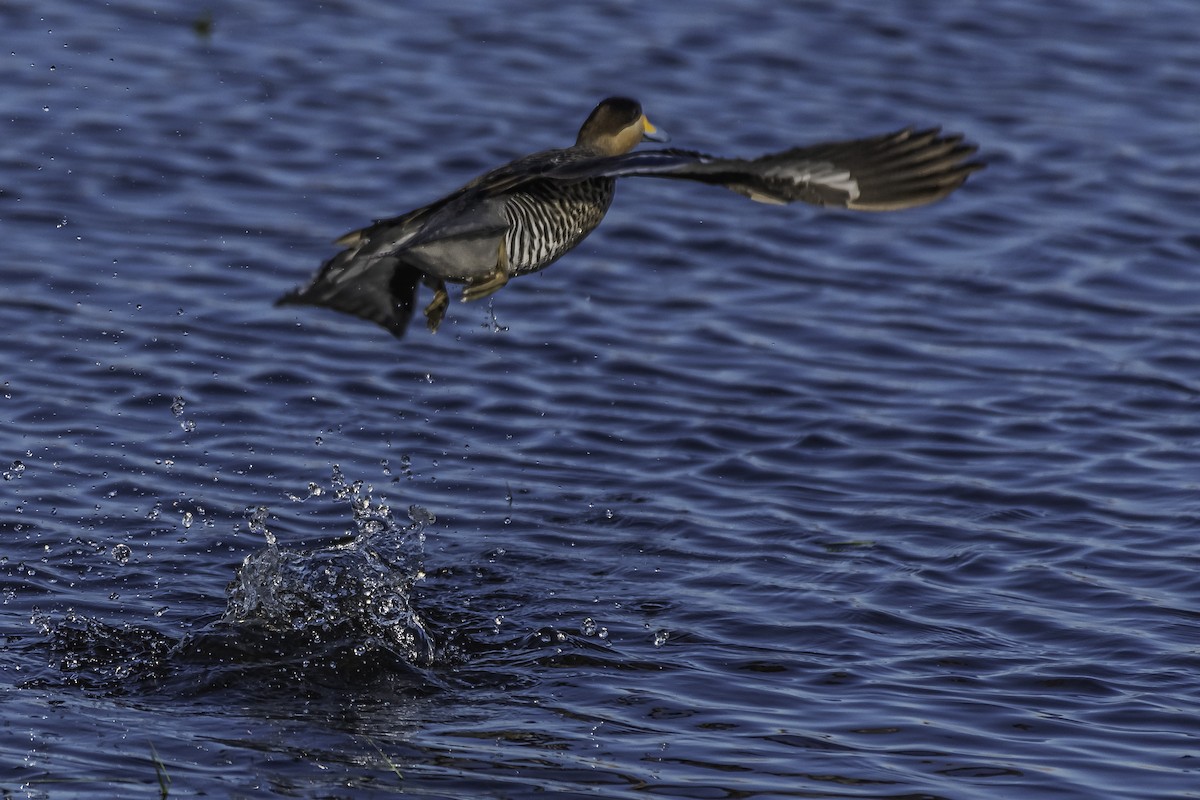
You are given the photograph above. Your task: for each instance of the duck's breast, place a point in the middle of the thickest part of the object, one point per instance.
(548, 218)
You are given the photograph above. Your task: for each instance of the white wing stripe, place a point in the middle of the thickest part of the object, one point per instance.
(824, 173)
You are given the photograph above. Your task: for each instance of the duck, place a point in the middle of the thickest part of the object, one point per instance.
(521, 217)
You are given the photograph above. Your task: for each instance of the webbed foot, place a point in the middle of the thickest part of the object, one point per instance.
(436, 310)
(489, 285)
(493, 282)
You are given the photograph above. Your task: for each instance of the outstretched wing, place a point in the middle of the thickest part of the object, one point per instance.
(381, 290)
(883, 173)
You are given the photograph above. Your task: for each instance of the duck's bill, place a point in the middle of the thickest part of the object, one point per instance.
(653, 134)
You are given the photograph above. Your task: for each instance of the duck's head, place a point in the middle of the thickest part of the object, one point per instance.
(617, 126)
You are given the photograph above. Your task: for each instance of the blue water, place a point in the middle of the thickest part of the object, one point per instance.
(733, 501)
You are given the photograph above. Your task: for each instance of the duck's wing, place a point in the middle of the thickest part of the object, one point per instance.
(366, 279)
(882, 173)
(382, 290)
(385, 236)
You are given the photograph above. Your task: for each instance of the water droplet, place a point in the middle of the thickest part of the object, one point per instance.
(187, 519)
(15, 471)
(421, 516)
(121, 554)
(660, 638)
(177, 406)
(588, 627)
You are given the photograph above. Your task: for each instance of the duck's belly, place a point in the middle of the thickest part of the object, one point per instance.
(545, 220)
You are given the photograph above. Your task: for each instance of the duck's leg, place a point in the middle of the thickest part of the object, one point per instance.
(493, 282)
(436, 310)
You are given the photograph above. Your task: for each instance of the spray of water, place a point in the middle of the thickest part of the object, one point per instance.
(355, 593)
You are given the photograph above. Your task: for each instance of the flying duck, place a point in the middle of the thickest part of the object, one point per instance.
(523, 216)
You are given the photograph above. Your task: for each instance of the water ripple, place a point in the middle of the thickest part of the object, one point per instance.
(734, 500)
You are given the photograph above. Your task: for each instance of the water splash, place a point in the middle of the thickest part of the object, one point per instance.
(306, 620)
(354, 593)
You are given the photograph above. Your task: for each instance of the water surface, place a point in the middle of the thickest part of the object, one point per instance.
(733, 501)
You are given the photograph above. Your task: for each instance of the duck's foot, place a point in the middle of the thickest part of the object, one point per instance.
(436, 310)
(493, 282)
(489, 285)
